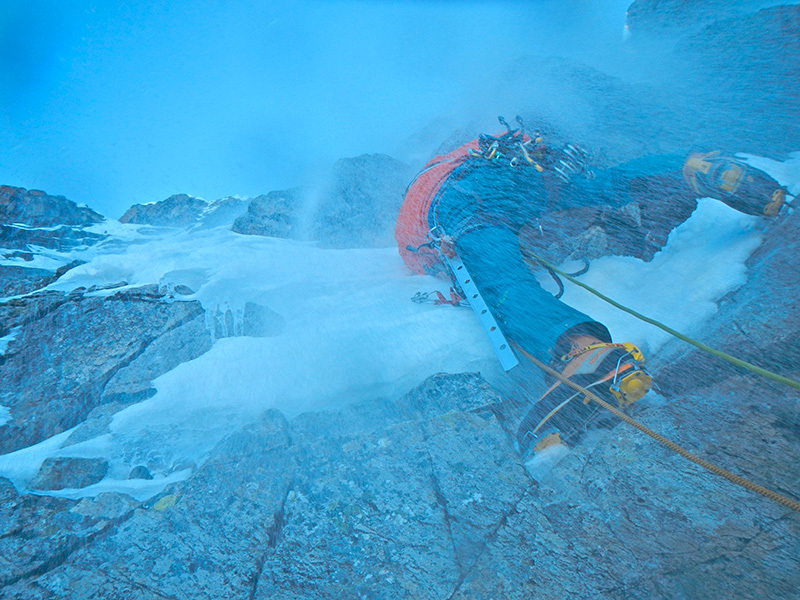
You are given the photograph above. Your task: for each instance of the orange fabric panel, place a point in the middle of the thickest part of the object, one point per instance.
(412, 222)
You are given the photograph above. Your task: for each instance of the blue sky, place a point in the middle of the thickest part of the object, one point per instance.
(114, 103)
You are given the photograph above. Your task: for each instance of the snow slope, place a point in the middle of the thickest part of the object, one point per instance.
(351, 331)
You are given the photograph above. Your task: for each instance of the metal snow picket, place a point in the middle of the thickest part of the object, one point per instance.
(504, 353)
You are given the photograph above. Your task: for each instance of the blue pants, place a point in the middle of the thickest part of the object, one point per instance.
(483, 205)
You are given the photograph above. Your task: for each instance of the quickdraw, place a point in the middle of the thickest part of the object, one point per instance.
(520, 149)
(438, 298)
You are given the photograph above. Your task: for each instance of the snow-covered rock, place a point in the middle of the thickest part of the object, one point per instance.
(356, 209)
(276, 214)
(35, 208)
(222, 212)
(180, 210)
(74, 352)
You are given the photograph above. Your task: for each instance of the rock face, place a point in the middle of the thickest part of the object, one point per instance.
(360, 207)
(35, 208)
(60, 473)
(23, 280)
(40, 532)
(73, 353)
(728, 83)
(30, 219)
(55, 238)
(276, 214)
(179, 210)
(682, 17)
(730, 70)
(426, 498)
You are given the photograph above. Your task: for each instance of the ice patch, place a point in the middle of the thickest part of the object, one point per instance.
(5, 415)
(351, 333)
(543, 462)
(701, 262)
(8, 338)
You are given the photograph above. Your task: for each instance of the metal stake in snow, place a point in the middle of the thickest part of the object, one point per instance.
(504, 353)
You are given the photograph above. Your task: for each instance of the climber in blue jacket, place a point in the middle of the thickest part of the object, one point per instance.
(499, 201)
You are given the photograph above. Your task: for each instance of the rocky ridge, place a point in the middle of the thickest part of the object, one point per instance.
(35, 208)
(182, 210)
(31, 220)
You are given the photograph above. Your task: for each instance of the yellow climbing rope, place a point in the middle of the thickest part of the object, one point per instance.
(732, 477)
(713, 351)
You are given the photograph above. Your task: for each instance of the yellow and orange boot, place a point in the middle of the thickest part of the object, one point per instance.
(614, 372)
(734, 182)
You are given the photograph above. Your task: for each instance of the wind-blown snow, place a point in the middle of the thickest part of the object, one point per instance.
(351, 331)
(5, 415)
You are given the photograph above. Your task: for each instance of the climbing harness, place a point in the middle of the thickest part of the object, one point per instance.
(732, 477)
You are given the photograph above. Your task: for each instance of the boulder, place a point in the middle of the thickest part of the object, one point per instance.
(180, 210)
(276, 214)
(60, 473)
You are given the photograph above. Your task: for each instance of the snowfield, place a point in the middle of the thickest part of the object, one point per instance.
(349, 330)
